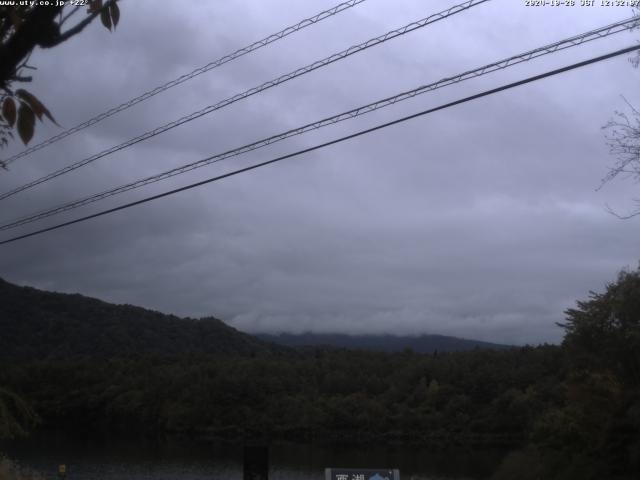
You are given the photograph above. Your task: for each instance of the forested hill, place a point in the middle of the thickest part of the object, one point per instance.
(573, 409)
(39, 325)
(382, 343)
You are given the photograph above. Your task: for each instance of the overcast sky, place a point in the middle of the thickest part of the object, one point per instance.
(480, 221)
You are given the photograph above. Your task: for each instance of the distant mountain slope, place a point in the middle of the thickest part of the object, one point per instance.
(385, 343)
(36, 324)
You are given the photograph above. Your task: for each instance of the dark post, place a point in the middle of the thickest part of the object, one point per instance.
(256, 462)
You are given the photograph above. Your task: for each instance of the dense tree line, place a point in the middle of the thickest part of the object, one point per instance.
(569, 411)
(479, 396)
(380, 343)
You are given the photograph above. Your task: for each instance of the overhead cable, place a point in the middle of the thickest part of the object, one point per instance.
(332, 142)
(362, 110)
(252, 91)
(188, 76)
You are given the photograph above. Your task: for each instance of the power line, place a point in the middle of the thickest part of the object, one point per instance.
(198, 71)
(252, 91)
(332, 142)
(362, 110)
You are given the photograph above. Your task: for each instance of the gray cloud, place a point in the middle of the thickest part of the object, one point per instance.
(479, 221)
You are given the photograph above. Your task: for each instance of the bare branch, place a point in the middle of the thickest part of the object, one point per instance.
(635, 213)
(24, 62)
(633, 109)
(623, 139)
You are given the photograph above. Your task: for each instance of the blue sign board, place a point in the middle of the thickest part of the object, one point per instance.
(361, 474)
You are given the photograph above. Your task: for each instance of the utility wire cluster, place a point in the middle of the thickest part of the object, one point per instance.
(591, 35)
(356, 112)
(252, 91)
(493, 91)
(198, 71)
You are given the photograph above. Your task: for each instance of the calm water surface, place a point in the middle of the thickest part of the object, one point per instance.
(187, 460)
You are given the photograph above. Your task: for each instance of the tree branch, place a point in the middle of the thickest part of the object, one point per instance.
(621, 217)
(38, 28)
(81, 25)
(68, 15)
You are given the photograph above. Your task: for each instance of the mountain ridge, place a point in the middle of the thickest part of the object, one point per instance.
(43, 325)
(425, 343)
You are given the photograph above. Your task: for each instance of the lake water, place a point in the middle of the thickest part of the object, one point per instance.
(186, 460)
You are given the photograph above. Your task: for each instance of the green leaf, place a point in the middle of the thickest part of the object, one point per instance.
(26, 122)
(9, 111)
(36, 105)
(115, 14)
(105, 18)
